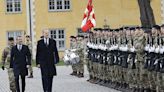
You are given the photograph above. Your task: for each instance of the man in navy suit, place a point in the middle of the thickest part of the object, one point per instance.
(46, 58)
(20, 60)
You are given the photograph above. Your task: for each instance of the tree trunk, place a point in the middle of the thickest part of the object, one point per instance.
(146, 13)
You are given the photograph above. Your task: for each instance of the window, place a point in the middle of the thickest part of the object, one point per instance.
(14, 34)
(13, 6)
(59, 5)
(59, 36)
(80, 32)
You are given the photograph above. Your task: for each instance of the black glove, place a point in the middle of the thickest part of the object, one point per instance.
(3, 68)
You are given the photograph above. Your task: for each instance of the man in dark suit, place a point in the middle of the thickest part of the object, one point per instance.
(20, 61)
(46, 58)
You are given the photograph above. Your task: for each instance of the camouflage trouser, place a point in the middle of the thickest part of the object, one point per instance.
(159, 82)
(74, 68)
(119, 74)
(99, 73)
(116, 75)
(112, 73)
(144, 82)
(137, 74)
(11, 79)
(125, 76)
(105, 73)
(131, 78)
(109, 77)
(30, 70)
(94, 71)
(162, 82)
(80, 66)
(89, 66)
(152, 79)
(144, 78)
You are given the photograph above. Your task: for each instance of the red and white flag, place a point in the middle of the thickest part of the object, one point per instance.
(89, 18)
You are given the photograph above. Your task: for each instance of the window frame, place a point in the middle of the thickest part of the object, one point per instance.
(13, 8)
(59, 10)
(57, 39)
(14, 31)
(82, 33)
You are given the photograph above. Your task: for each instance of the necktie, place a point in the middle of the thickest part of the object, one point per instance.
(46, 42)
(19, 47)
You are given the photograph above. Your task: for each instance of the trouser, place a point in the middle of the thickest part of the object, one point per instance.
(162, 82)
(137, 74)
(152, 79)
(47, 83)
(159, 82)
(17, 83)
(80, 67)
(74, 68)
(90, 67)
(131, 78)
(11, 78)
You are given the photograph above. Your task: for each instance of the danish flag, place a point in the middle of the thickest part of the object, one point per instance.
(89, 18)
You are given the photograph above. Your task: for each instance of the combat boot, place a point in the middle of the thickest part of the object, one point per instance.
(74, 73)
(80, 75)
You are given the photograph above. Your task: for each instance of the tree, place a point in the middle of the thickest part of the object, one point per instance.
(146, 13)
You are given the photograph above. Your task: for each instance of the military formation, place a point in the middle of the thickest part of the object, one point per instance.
(129, 59)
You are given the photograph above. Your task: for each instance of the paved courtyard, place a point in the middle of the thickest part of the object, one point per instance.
(61, 83)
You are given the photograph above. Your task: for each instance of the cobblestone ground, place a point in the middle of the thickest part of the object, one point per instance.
(61, 83)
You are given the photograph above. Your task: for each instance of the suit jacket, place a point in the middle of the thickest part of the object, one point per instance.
(47, 56)
(20, 59)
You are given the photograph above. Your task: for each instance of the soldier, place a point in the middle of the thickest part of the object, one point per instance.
(158, 60)
(104, 57)
(131, 60)
(140, 41)
(147, 60)
(89, 56)
(109, 54)
(153, 57)
(6, 64)
(73, 45)
(29, 44)
(93, 56)
(80, 51)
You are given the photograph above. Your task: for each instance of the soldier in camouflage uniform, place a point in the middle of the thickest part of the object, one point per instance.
(6, 64)
(92, 52)
(73, 45)
(109, 54)
(158, 60)
(29, 44)
(80, 52)
(140, 42)
(131, 60)
(151, 61)
(89, 57)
